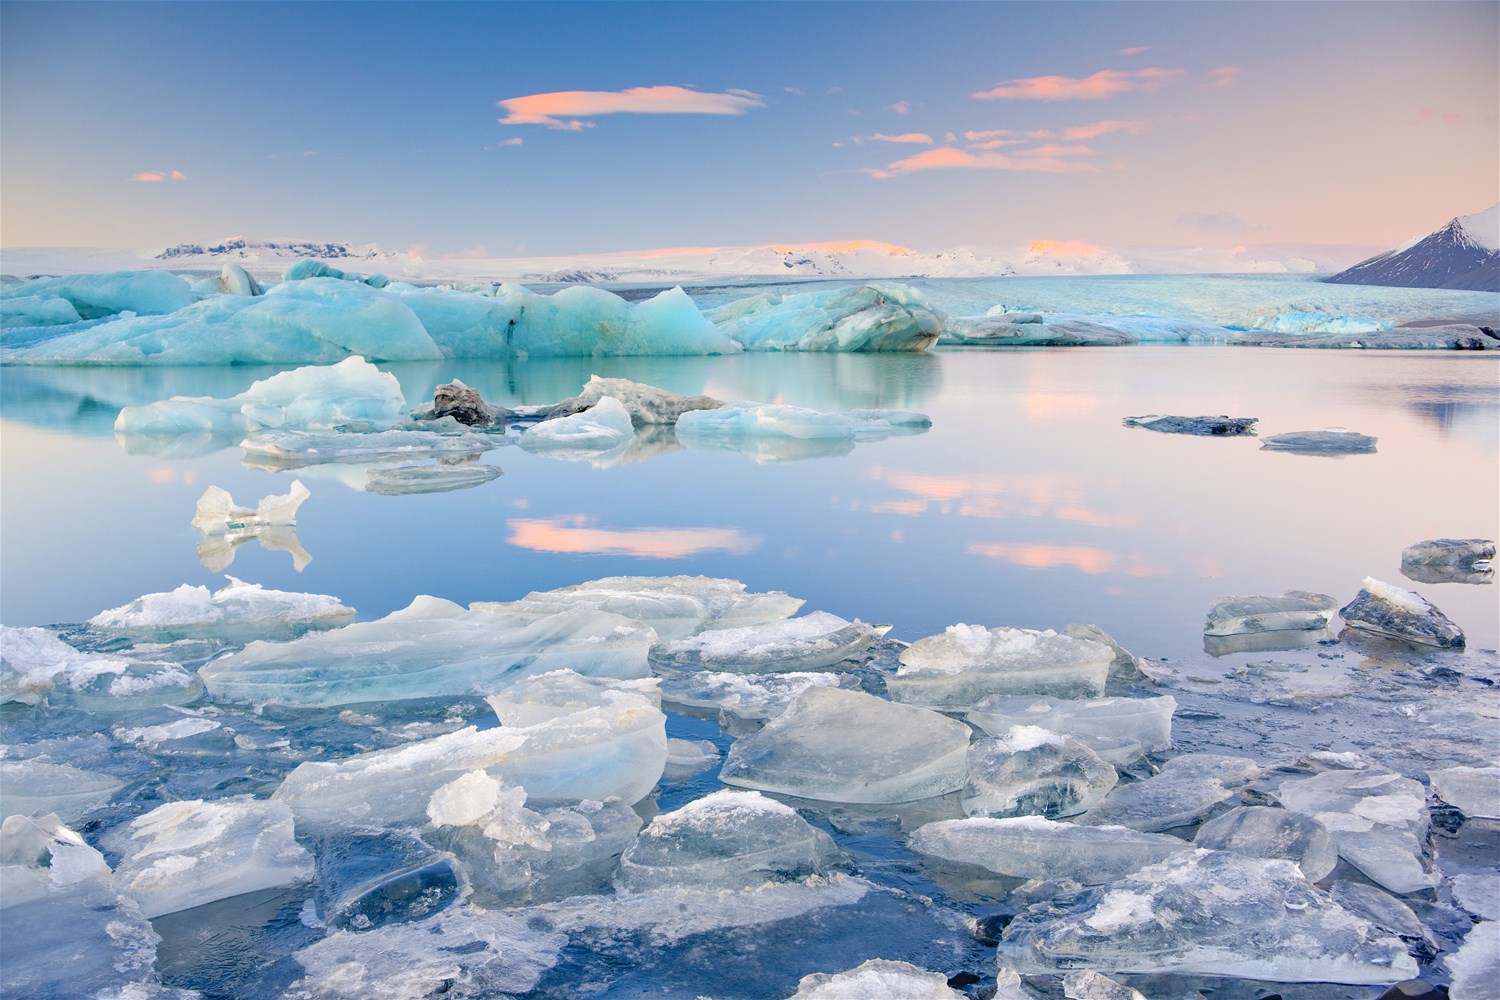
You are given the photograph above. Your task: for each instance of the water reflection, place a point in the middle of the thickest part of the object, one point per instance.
(216, 552)
(576, 534)
(1085, 558)
(1037, 494)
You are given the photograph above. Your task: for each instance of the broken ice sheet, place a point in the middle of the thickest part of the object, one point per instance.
(954, 670)
(1295, 609)
(1378, 820)
(239, 611)
(1263, 832)
(817, 641)
(1146, 722)
(877, 977)
(776, 432)
(1475, 967)
(37, 666)
(432, 647)
(1187, 789)
(1333, 441)
(34, 787)
(1033, 847)
(1213, 913)
(1031, 771)
(1473, 791)
(283, 450)
(745, 696)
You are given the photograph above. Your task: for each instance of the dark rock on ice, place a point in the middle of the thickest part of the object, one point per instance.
(464, 404)
(1400, 614)
(1220, 426)
(646, 404)
(1414, 989)
(1449, 337)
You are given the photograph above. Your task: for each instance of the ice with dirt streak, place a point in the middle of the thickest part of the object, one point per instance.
(238, 611)
(1210, 913)
(1400, 614)
(36, 666)
(430, 648)
(848, 746)
(954, 670)
(185, 854)
(1031, 771)
(817, 641)
(1032, 847)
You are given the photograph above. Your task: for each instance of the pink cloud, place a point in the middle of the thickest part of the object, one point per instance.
(1093, 130)
(920, 138)
(1429, 113)
(178, 175)
(901, 107)
(1136, 50)
(1105, 83)
(149, 177)
(1046, 159)
(1224, 76)
(480, 252)
(995, 138)
(566, 109)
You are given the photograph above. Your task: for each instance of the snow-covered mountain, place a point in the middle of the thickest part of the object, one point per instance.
(1464, 254)
(239, 249)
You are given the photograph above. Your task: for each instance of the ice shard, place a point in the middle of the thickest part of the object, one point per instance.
(1034, 772)
(1263, 832)
(1378, 820)
(1473, 791)
(877, 977)
(1147, 722)
(604, 426)
(954, 670)
(881, 317)
(1334, 441)
(818, 641)
(1031, 847)
(1294, 610)
(1187, 789)
(1400, 614)
(36, 787)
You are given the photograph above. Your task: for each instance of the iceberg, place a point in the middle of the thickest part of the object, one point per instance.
(94, 296)
(616, 749)
(352, 395)
(239, 611)
(36, 310)
(1263, 832)
(1144, 722)
(185, 854)
(953, 671)
(36, 787)
(818, 641)
(1032, 847)
(727, 840)
(1006, 331)
(35, 665)
(590, 322)
(1295, 609)
(1334, 441)
(882, 317)
(1034, 772)
(877, 977)
(751, 697)
(1220, 426)
(1210, 913)
(648, 406)
(1473, 791)
(846, 746)
(429, 649)
(235, 280)
(1378, 820)
(1400, 614)
(1187, 789)
(602, 427)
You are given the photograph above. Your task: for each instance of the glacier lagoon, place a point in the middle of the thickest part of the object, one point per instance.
(1026, 504)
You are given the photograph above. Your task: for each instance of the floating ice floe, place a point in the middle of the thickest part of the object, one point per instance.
(847, 746)
(1378, 820)
(1118, 729)
(745, 696)
(185, 854)
(818, 641)
(615, 748)
(686, 758)
(1400, 614)
(1294, 610)
(880, 317)
(601, 428)
(954, 670)
(1473, 791)
(1263, 832)
(877, 977)
(36, 665)
(36, 787)
(68, 931)
(1188, 788)
(238, 611)
(1220, 426)
(1032, 847)
(771, 432)
(1034, 772)
(431, 648)
(1211, 913)
(727, 840)
(1450, 560)
(674, 606)
(648, 406)
(1334, 441)
(408, 479)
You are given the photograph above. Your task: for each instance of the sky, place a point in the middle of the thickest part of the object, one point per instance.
(495, 130)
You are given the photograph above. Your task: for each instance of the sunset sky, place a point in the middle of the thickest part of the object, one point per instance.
(559, 128)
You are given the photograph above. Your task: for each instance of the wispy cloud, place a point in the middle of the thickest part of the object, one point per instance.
(157, 176)
(901, 107)
(575, 533)
(995, 138)
(1224, 76)
(795, 91)
(1215, 222)
(1136, 50)
(568, 109)
(1105, 83)
(915, 138)
(1043, 159)
(1432, 114)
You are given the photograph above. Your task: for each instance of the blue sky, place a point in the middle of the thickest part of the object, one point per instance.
(1119, 124)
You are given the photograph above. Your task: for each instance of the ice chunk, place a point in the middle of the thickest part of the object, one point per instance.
(185, 854)
(604, 426)
(954, 670)
(881, 317)
(279, 451)
(429, 649)
(1400, 614)
(674, 606)
(352, 395)
(1210, 913)
(1473, 791)
(534, 700)
(817, 641)
(96, 295)
(1479, 894)
(1220, 426)
(1295, 609)
(1186, 790)
(1126, 668)
(1034, 772)
(1008, 330)
(1475, 967)
(736, 423)
(1381, 909)
(1031, 847)
(647, 405)
(1334, 441)
(1263, 832)
(1378, 820)
(235, 280)
(1084, 984)
(217, 513)
(1144, 721)
(67, 930)
(877, 977)
(727, 840)
(490, 953)
(745, 696)
(846, 746)
(36, 665)
(36, 310)
(686, 758)
(583, 321)
(1450, 560)
(34, 787)
(237, 611)
(616, 750)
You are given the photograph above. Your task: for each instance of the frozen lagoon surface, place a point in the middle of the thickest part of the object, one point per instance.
(1026, 505)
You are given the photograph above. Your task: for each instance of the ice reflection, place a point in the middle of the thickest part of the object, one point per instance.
(575, 534)
(216, 552)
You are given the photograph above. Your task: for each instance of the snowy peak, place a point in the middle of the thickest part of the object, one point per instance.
(1461, 255)
(239, 248)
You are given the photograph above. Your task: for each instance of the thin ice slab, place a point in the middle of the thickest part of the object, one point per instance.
(1298, 610)
(238, 611)
(818, 641)
(1263, 832)
(1220, 426)
(1147, 722)
(1188, 788)
(1034, 772)
(1333, 441)
(1378, 820)
(954, 670)
(1032, 847)
(1473, 791)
